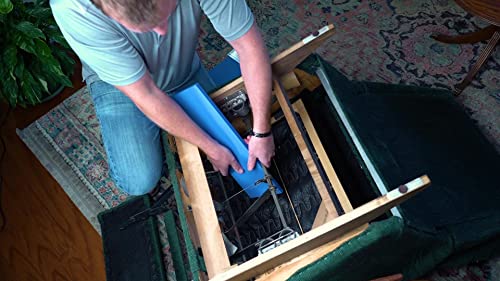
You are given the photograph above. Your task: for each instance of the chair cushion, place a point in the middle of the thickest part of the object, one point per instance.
(409, 131)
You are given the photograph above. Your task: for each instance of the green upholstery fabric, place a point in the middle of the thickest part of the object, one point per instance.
(385, 248)
(175, 247)
(195, 263)
(132, 251)
(407, 132)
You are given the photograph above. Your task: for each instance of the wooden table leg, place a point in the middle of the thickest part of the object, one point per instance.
(469, 38)
(485, 54)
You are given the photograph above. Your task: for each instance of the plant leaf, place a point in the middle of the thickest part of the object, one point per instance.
(54, 73)
(25, 43)
(41, 49)
(55, 34)
(30, 30)
(11, 90)
(6, 6)
(30, 89)
(44, 85)
(41, 3)
(9, 58)
(67, 62)
(19, 71)
(41, 13)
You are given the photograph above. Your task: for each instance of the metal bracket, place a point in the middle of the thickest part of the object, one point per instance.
(249, 212)
(275, 240)
(236, 105)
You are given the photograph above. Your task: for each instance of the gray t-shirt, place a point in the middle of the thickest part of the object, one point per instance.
(114, 54)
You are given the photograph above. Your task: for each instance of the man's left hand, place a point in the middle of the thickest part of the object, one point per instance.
(261, 149)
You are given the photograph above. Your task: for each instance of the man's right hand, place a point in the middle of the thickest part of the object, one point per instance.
(222, 159)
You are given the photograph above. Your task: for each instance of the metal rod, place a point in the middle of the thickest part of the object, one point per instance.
(278, 207)
(251, 210)
(272, 189)
(236, 232)
(289, 199)
(242, 190)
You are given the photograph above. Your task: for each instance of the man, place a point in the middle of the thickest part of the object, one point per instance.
(137, 52)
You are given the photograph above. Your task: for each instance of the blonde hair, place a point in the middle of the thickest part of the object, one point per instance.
(137, 12)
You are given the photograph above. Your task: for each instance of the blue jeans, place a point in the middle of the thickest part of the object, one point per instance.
(132, 141)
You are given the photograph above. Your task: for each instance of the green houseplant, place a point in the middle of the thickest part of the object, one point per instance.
(34, 59)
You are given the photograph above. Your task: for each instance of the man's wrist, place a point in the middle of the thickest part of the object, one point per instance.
(210, 147)
(260, 134)
(262, 125)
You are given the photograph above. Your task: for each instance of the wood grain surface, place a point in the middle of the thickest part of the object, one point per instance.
(489, 10)
(331, 212)
(46, 237)
(325, 233)
(205, 217)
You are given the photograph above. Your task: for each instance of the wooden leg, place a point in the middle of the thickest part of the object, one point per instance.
(470, 38)
(485, 54)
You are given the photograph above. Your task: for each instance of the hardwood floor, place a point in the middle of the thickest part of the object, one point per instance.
(46, 237)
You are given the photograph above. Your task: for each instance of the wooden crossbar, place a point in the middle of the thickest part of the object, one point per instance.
(325, 233)
(285, 62)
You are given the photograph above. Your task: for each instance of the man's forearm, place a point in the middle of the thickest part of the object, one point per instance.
(167, 114)
(256, 72)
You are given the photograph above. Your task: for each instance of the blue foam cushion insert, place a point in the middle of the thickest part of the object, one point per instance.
(203, 111)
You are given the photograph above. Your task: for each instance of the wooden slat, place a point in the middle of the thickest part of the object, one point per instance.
(289, 59)
(290, 80)
(283, 63)
(219, 95)
(325, 233)
(321, 216)
(207, 224)
(323, 157)
(306, 80)
(188, 212)
(202, 276)
(300, 139)
(284, 271)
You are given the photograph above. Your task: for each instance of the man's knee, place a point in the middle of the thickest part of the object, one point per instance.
(137, 182)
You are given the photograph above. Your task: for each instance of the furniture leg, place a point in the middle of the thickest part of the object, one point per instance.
(485, 54)
(469, 38)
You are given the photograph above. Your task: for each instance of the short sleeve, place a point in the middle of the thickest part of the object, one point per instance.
(230, 18)
(99, 44)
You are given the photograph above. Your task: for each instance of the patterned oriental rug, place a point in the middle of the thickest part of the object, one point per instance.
(384, 41)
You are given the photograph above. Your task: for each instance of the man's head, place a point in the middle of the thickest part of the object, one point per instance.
(139, 15)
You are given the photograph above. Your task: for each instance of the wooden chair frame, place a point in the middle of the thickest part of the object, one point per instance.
(329, 230)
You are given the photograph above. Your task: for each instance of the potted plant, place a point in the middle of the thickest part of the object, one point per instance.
(34, 59)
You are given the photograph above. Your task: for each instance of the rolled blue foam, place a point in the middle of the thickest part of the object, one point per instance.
(200, 107)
